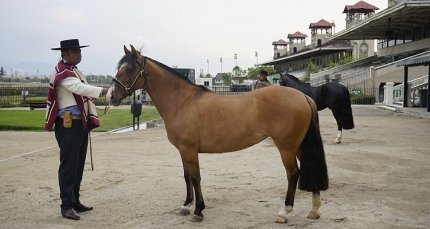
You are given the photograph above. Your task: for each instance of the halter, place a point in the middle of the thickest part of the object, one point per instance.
(141, 73)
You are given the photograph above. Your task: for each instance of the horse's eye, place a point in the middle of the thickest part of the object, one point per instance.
(128, 70)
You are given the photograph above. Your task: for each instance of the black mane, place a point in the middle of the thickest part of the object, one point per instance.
(130, 59)
(293, 78)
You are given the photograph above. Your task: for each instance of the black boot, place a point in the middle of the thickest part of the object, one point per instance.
(79, 207)
(70, 214)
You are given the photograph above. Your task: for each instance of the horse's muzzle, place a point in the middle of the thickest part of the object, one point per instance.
(111, 98)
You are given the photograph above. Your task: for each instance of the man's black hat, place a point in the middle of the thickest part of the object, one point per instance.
(263, 72)
(69, 44)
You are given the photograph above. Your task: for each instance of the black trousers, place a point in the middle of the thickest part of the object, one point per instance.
(73, 144)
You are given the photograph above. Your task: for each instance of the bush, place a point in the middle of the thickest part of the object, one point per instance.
(363, 99)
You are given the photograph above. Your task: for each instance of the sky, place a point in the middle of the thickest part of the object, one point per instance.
(179, 33)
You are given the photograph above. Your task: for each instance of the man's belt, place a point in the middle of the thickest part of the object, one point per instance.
(76, 117)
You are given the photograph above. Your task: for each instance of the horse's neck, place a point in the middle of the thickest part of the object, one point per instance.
(303, 87)
(169, 93)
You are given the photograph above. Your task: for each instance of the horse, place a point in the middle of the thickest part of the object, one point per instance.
(335, 96)
(198, 120)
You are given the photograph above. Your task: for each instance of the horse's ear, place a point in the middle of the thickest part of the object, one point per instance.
(134, 50)
(126, 50)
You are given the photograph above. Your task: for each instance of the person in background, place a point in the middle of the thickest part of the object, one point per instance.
(261, 82)
(71, 109)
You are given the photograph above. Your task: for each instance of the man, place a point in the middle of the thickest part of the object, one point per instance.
(261, 82)
(71, 109)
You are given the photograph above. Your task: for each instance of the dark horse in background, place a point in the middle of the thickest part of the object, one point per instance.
(335, 96)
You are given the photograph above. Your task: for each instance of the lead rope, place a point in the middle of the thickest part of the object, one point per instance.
(105, 110)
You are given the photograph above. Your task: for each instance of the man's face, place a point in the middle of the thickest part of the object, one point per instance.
(262, 77)
(73, 56)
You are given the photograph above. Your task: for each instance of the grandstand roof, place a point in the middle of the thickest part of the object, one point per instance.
(391, 21)
(421, 60)
(329, 47)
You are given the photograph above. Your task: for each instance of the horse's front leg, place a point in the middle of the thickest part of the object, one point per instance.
(290, 164)
(185, 209)
(192, 171)
(316, 204)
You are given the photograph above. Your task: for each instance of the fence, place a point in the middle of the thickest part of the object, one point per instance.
(21, 95)
(231, 90)
(364, 95)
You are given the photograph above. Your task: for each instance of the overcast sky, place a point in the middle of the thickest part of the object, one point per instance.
(183, 33)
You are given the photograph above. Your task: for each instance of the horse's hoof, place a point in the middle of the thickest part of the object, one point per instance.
(184, 211)
(197, 218)
(281, 219)
(337, 141)
(313, 215)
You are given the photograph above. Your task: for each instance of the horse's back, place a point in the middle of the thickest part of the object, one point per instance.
(281, 97)
(287, 109)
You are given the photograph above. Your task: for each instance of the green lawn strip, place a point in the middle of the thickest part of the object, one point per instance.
(35, 120)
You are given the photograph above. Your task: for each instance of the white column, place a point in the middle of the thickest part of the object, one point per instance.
(388, 93)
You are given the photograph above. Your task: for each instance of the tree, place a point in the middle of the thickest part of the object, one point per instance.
(226, 77)
(254, 72)
(237, 71)
(311, 68)
(2, 72)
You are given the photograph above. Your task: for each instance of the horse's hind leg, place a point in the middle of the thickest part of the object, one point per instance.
(338, 117)
(316, 204)
(290, 164)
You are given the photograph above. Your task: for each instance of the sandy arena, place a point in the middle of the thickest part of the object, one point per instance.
(379, 178)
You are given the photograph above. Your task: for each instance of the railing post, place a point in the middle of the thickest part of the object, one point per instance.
(326, 78)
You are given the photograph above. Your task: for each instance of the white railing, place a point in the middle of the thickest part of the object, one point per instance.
(413, 87)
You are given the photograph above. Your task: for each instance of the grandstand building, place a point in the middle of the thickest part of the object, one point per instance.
(401, 34)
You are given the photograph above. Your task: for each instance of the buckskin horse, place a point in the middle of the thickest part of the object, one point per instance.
(335, 96)
(192, 117)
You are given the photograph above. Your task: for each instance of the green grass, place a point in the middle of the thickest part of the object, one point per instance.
(35, 120)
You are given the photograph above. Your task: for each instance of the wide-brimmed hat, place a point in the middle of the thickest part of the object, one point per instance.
(264, 72)
(69, 44)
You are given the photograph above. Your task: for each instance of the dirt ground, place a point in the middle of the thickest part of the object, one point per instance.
(379, 178)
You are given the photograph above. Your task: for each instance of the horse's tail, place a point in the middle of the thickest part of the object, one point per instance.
(313, 167)
(347, 119)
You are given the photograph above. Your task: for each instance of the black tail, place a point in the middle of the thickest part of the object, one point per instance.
(347, 119)
(313, 168)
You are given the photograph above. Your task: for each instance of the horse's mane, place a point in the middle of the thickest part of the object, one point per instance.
(130, 58)
(300, 84)
(293, 78)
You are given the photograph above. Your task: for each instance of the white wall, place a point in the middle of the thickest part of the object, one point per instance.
(201, 81)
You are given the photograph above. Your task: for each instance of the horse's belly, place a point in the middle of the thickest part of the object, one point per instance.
(228, 142)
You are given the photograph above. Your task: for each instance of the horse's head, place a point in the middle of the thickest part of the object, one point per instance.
(283, 81)
(289, 80)
(129, 77)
